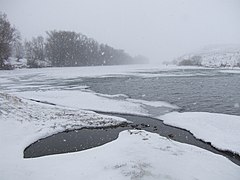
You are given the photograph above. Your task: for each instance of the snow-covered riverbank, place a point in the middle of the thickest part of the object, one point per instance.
(221, 130)
(134, 155)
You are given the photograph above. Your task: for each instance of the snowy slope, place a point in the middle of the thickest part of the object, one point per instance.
(216, 56)
(49, 119)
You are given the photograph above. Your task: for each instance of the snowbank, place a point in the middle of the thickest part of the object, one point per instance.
(95, 101)
(220, 129)
(38, 121)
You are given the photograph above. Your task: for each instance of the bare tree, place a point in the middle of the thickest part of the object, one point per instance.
(63, 48)
(18, 50)
(192, 61)
(8, 35)
(68, 48)
(35, 51)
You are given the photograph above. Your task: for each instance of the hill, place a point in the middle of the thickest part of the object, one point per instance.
(212, 56)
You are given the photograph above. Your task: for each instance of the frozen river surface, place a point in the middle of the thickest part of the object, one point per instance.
(205, 90)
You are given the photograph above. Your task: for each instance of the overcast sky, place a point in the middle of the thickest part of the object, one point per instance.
(158, 29)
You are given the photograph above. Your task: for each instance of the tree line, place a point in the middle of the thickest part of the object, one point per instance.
(58, 49)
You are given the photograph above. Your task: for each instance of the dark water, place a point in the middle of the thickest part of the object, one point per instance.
(212, 91)
(87, 138)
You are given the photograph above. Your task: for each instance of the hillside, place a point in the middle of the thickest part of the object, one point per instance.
(213, 56)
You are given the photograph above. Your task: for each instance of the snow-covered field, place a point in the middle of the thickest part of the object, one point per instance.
(134, 155)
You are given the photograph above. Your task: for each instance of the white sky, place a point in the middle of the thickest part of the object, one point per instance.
(158, 29)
